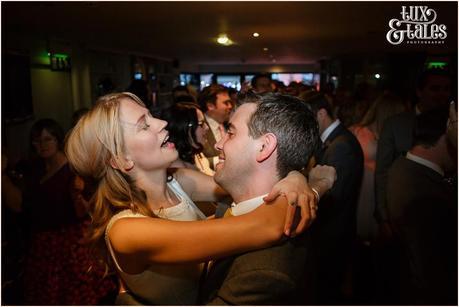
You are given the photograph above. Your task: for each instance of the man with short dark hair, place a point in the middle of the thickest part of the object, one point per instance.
(261, 83)
(422, 211)
(216, 103)
(335, 228)
(268, 136)
(433, 89)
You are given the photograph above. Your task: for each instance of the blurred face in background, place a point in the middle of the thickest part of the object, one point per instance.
(221, 110)
(263, 85)
(45, 144)
(435, 92)
(202, 129)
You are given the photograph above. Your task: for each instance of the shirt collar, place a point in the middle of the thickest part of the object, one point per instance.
(247, 206)
(329, 130)
(213, 125)
(425, 162)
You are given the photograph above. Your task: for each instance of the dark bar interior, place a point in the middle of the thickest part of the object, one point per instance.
(255, 95)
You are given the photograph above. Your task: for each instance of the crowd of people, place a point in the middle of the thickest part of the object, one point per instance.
(186, 206)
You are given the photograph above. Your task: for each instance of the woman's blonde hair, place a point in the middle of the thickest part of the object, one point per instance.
(92, 146)
(385, 106)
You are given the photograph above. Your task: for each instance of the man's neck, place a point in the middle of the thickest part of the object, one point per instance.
(256, 185)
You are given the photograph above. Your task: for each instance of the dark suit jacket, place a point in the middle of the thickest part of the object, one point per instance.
(395, 140)
(337, 209)
(422, 210)
(335, 227)
(271, 276)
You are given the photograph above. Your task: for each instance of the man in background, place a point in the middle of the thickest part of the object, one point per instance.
(216, 103)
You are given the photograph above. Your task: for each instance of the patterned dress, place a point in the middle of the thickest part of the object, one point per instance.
(59, 267)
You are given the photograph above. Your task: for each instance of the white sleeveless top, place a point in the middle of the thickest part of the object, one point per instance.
(164, 284)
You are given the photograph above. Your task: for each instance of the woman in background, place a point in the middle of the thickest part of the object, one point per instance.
(367, 133)
(187, 130)
(58, 268)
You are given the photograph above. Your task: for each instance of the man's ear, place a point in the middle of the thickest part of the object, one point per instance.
(210, 106)
(268, 144)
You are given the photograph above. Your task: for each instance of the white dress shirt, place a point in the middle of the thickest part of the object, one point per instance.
(329, 130)
(246, 206)
(425, 162)
(214, 127)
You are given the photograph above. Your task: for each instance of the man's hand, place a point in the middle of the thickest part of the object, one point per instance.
(298, 193)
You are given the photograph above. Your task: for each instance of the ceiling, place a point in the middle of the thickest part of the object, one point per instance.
(293, 32)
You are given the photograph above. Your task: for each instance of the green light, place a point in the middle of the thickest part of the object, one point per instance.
(434, 65)
(58, 55)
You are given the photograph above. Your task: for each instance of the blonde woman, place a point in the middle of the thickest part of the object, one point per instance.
(367, 133)
(127, 152)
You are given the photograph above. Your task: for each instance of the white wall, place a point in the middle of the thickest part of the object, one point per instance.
(52, 95)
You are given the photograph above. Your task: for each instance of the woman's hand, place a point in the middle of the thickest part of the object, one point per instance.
(76, 191)
(298, 193)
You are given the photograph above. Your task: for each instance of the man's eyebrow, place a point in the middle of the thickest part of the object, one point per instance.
(230, 126)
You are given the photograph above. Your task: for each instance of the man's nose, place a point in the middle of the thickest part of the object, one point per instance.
(219, 145)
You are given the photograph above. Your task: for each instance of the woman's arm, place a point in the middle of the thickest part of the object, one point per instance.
(199, 186)
(154, 240)
(322, 178)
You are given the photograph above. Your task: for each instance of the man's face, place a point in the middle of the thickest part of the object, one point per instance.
(263, 85)
(237, 157)
(435, 93)
(221, 110)
(321, 118)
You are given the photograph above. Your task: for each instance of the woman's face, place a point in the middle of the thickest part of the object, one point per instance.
(45, 144)
(145, 138)
(202, 129)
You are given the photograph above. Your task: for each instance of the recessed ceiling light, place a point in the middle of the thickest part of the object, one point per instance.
(223, 39)
(256, 34)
